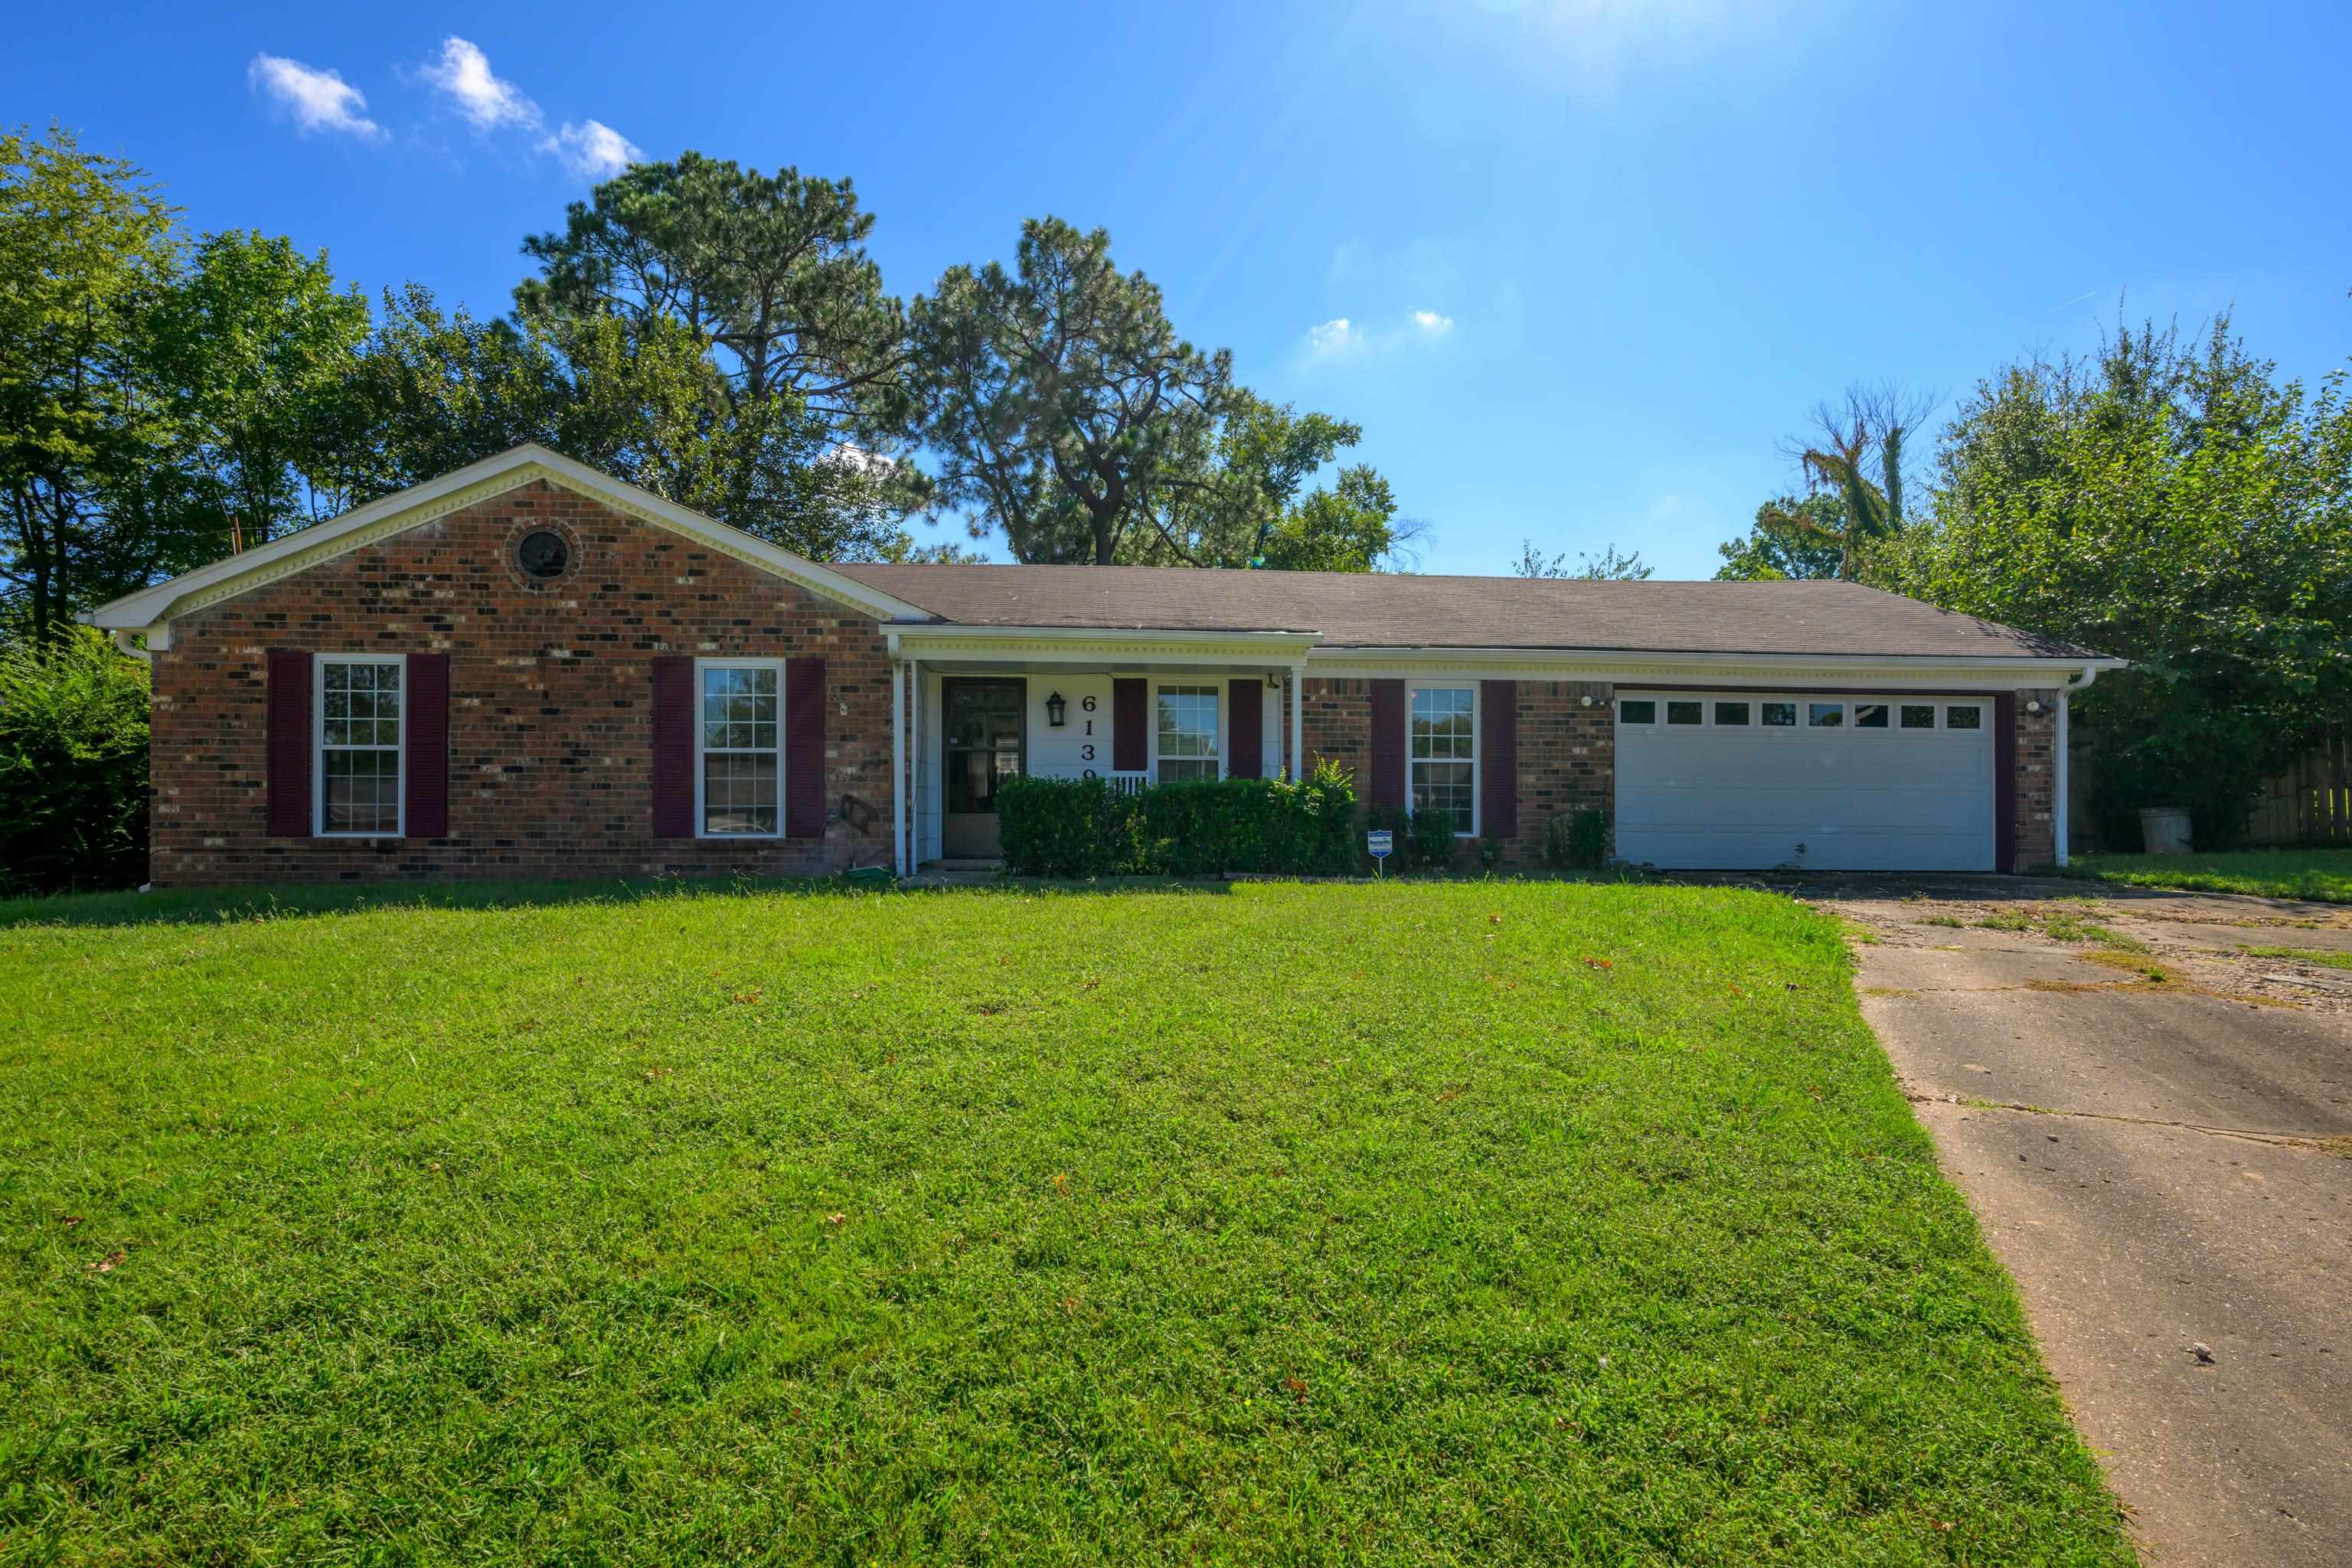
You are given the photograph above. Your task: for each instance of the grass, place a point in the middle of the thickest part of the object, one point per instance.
(2059, 924)
(2323, 876)
(2331, 959)
(1505, 1223)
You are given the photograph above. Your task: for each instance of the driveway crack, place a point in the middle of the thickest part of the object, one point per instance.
(2338, 1146)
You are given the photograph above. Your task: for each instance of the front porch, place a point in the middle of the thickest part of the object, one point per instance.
(969, 708)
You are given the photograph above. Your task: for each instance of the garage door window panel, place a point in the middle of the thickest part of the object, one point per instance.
(1870, 715)
(1731, 714)
(1637, 710)
(1964, 716)
(1780, 715)
(1825, 715)
(1918, 715)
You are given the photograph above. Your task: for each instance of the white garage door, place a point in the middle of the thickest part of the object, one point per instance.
(1741, 781)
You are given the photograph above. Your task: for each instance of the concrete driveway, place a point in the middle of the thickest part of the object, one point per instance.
(2166, 1167)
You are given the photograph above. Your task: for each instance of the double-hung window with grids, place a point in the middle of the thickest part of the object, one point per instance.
(361, 703)
(1443, 752)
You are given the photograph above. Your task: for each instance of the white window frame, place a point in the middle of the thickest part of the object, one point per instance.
(1218, 693)
(1476, 737)
(702, 815)
(319, 663)
(1984, 720)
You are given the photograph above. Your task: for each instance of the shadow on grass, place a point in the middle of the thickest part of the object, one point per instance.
(207, 905)
(196, 906)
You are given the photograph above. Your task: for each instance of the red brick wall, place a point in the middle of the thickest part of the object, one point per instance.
(1567, 757)
(1567, 750)
(2037, 782)
(550, 724)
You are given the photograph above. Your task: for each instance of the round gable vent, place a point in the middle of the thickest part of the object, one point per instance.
(543, 555)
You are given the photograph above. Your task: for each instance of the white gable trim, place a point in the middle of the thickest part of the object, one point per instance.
(152, 610)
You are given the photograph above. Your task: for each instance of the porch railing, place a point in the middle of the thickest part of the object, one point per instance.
(1125, 784)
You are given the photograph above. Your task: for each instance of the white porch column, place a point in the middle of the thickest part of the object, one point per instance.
(1298, 758)
(899, 766)
(2060, 810)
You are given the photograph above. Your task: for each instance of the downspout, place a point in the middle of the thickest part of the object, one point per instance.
(122, 636)
(899, 766)
(2065, 804)
(1296, 759)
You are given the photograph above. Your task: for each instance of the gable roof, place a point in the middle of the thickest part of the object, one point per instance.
(1335, 609)
(1382, 610)
(412, 508)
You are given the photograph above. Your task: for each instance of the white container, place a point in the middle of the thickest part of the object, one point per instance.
(2164, 829)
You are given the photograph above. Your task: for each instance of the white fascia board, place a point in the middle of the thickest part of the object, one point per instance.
(1623, 668)
(947, 643)
(152, 607)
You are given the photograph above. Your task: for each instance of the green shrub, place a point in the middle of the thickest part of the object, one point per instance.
(1432, 838)
(1077, 828)
(73, 767)
(1490, 853)
(1578, 840)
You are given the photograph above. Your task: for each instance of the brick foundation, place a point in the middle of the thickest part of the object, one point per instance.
(549, 716)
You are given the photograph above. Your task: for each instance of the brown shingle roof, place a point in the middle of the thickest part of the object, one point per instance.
(1360, 610)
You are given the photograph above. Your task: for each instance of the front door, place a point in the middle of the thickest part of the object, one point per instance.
(987, 734)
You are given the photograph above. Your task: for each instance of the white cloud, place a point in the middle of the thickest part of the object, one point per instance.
(1332, 337)
(593, 148)
(486, 99)
(1345, 338)
(318, 99)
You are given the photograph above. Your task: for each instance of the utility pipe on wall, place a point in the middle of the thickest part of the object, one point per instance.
(2065, 804)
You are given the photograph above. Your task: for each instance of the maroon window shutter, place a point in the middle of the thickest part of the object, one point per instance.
(426, 766)
(1498, 758)
(672, 746)
(1245, 752)
(287, 709)
(1130, 714)
(2004, 782)
(1388, 743)
(805, 725)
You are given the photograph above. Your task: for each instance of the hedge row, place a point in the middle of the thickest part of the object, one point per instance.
(1077, 828)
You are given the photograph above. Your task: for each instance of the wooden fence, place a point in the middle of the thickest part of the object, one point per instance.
(2310, 802)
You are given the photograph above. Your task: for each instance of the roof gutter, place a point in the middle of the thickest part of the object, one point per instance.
(1330, 651)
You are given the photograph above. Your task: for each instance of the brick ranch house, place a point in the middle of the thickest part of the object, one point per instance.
(529, 669)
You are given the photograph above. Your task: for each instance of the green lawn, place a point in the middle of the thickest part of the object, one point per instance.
(1452, 1223)
(2322, 874)
(2302, 955)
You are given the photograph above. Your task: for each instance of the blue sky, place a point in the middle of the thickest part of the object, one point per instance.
(1576, 266)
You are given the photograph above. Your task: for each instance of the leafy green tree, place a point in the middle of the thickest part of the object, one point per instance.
(771, 272)
(1610, 567)
(640, 398)
(1794, 536)
(1244, 508)
(246, 347)
(1057, 402)
(85, 246)
(2176, 504)
(429, 391)
(1859, 453)
(1348, 525)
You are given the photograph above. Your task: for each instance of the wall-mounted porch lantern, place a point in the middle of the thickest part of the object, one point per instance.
(1054, 708)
